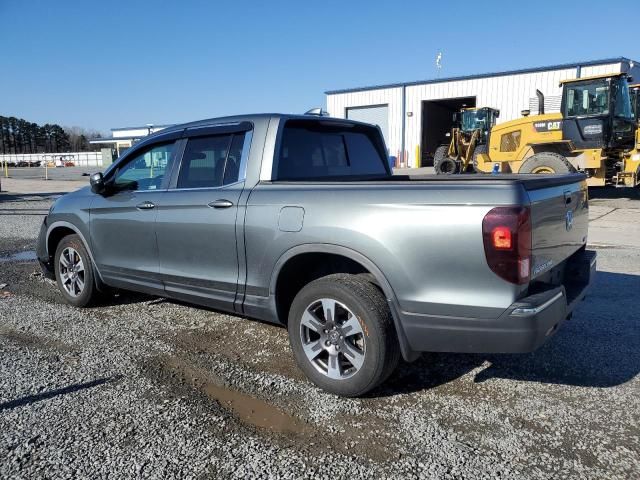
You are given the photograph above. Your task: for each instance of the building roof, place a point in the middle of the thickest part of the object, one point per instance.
(113, 139)
(143, 127)
(485, 75)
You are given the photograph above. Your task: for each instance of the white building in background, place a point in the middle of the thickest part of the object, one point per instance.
(415, 116)
(123, 138)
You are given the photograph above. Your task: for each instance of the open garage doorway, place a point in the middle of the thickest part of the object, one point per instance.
(437, 120)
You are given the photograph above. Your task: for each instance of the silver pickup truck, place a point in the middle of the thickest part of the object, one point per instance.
(298, 220)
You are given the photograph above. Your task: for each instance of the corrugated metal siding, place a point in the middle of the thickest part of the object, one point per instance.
(600, 69)
(551, 104)
(509, 93)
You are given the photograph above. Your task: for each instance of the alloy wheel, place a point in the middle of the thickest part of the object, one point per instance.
(72, 275)
(332, 338)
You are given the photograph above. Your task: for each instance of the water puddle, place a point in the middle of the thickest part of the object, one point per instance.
(250, 410)
(26, 256)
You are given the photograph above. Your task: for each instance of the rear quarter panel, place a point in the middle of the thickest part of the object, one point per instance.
(426, 238)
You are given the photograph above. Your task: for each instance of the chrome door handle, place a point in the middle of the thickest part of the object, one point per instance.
(146, 206)
(220, 204)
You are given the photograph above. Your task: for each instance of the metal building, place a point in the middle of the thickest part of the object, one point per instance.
(415, 116)
(123, 138)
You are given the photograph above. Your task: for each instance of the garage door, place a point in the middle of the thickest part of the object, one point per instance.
(376, 114)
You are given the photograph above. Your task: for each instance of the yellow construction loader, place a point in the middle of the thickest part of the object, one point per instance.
(595, 132)
(468, 140)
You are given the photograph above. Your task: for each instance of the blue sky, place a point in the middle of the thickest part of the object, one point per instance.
(102, 64)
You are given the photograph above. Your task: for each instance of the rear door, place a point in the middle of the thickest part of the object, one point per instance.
(196, 224)
(559, 219)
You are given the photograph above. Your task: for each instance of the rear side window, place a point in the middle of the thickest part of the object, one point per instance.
(311, 150)
(211, 161)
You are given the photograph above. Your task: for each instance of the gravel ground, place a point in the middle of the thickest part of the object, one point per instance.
(143, 387)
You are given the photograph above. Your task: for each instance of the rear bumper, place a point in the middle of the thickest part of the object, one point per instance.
(523, 327)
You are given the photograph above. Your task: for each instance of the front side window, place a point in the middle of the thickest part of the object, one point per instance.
(211, 161)
(588, 98)
(145, 170)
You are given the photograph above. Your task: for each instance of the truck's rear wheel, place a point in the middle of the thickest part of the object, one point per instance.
(342, 334)
(547, 162)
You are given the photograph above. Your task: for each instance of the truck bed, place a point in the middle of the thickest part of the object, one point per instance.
(529, 181)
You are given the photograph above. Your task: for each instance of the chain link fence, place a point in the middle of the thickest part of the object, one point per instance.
(50, 165)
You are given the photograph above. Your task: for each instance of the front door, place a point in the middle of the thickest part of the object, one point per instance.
(196, 224)
(122, 223)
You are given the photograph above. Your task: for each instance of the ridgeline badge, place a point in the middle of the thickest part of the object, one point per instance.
(569, 220)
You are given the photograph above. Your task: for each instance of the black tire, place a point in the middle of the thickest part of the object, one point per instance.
(89, 293)
(369, 307)
(439, 155)
(447, 166)
(547, 162)
(480, 149)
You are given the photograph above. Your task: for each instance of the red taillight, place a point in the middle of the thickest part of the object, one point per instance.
(501, 238)
(506, 233)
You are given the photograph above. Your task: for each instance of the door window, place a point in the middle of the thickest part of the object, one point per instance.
(211, 161)
(146, 170)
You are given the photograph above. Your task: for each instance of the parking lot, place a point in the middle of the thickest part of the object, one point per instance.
(143, 387)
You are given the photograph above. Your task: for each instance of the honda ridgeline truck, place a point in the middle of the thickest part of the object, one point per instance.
(298, 220)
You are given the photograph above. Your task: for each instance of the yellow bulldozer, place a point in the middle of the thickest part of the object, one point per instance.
(468, 140)
(595, 132)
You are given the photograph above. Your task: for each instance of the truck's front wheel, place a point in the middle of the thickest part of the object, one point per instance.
(342, 334)
(74, 272)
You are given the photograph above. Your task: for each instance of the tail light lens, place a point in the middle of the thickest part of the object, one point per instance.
(506, 233)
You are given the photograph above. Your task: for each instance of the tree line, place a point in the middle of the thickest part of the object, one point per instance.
(21, 136)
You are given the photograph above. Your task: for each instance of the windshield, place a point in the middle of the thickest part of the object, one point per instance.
(587, 98)
(474, 119)
(622, 107)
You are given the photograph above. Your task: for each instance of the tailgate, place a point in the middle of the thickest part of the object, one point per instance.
(559, 221)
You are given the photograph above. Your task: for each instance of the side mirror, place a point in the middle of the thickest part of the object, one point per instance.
(497, 113)
(97, 183)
